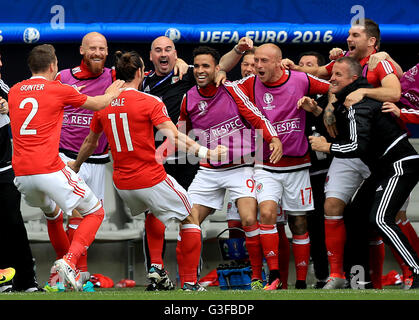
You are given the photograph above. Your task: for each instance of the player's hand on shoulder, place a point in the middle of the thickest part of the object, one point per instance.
(376, 58)
(181, 68)
(220, 78)
(288, 64)
(114, 88)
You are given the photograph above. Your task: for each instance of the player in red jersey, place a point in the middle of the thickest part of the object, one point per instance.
(275, 92)
(36, 113)
(139, 178)
(345, 175)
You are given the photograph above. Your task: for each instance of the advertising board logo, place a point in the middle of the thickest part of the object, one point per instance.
(31, 35)
(173, 34)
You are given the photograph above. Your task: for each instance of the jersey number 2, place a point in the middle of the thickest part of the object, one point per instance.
(125, 126)
(34, 103)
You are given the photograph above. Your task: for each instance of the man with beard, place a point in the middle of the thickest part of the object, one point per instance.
(377, 139)
(92, 78)
(346, 174)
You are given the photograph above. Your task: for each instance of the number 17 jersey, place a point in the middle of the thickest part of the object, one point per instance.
(128, 124)
(36, 108)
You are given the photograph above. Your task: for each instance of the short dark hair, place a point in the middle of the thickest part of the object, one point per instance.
(354, 65)
(372, 29)
(126, 64)
(207, 50)
(321, 61)
(40, 58)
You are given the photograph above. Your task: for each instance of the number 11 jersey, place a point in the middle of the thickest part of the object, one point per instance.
(128, 124)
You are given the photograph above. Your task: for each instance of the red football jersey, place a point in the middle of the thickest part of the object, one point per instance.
(128, 124)
(36, 108)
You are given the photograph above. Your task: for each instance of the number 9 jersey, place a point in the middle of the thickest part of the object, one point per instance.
(36, 108)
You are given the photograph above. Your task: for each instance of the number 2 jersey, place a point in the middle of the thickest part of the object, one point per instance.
(128, 124)
(36, 108)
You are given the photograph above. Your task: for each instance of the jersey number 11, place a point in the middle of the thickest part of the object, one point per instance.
(125, 127)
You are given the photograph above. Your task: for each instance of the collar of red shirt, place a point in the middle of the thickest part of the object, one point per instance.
(365, 60)
(280, 81)
(85, 72)
(208, 91)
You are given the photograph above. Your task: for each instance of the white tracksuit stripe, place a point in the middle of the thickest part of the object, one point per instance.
(387, 67)
(388, 192)
(352, 133)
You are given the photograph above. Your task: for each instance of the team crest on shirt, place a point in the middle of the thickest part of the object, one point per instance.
(203, 108)
(268, 98)
(175, 79)
(259, 187)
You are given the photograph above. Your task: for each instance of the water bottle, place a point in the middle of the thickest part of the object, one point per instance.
(320, 155)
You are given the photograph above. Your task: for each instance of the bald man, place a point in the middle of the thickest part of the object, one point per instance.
(276, 91)
(93, 79)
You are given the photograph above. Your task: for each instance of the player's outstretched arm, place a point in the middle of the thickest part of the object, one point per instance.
(309, 105)
(86, 150)
(320, 72)
(233, 57)
(186, 144)
(100, 102)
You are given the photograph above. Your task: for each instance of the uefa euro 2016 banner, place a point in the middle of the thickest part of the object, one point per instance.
(209, 21)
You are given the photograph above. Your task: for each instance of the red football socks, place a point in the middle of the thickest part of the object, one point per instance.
(73, 224)
(191, 251)
(155, 239)
(254, 248)
(335, 233)
(57, 234)
(85, 234)
(270, 244)
(301, 250)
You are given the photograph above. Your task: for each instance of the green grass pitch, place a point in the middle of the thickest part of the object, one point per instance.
(214, 293)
